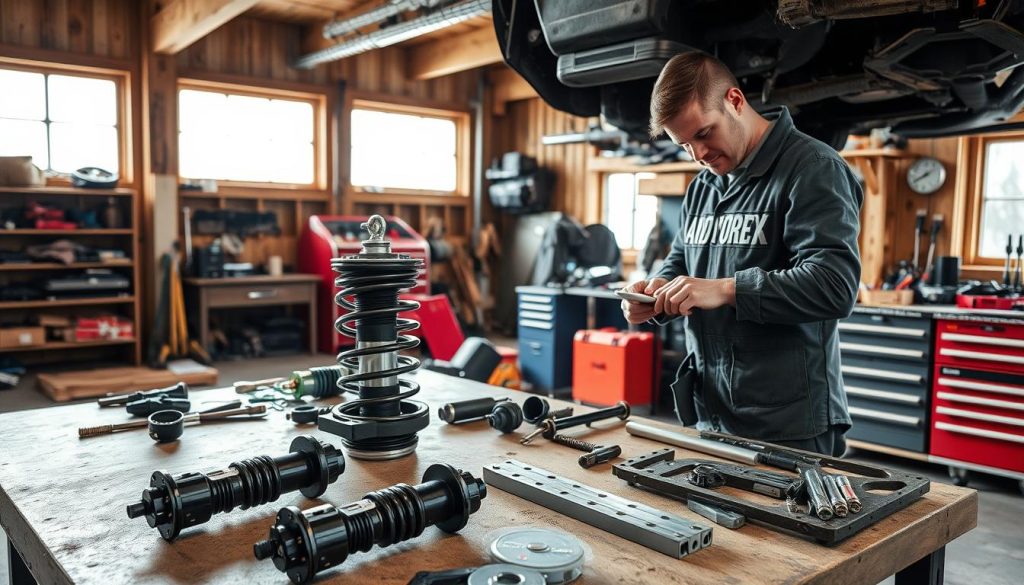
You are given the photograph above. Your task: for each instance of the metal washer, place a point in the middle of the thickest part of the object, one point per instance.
(505, 573)
(557, 556)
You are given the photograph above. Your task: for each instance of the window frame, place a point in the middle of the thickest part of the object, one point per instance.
(391, 105)
(317, 100)
(971, 242)
(629, 253)
(122, 96)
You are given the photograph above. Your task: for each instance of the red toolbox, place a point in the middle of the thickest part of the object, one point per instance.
(610, 365)
(978, 393)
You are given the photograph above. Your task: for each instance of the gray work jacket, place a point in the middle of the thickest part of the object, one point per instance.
(786, 228)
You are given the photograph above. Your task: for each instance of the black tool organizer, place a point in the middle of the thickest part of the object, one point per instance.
(659, 471)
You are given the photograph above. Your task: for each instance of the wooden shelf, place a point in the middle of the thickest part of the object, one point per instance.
(883, 152)
(58, 266)
(67, 302)
(268, 195)
(68, 345)
(88, 232)
(866, 446)
(624, 165)
(119, 192)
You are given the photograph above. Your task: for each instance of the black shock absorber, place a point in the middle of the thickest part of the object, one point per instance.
(304, 542)
(172, 503)
(382, 423)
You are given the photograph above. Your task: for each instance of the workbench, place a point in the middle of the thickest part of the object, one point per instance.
(62, 504)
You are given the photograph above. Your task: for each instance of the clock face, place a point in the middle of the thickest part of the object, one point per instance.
(926, 175)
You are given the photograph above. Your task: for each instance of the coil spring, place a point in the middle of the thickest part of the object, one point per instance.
(360, 279)
(574, 443)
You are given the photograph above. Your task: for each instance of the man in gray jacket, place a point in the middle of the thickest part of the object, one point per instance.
(765, 262)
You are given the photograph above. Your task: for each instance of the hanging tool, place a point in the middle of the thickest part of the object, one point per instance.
(179, 390)
(918, 230)
(936, 228)
(1017, 281)
(1009, 256)
(550, 426)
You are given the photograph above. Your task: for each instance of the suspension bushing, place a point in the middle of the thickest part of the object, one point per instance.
(305, 542)
(505, 417)
(173, 503)
(382, 423)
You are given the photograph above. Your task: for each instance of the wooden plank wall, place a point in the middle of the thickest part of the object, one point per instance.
(102, 28)
(521, 129)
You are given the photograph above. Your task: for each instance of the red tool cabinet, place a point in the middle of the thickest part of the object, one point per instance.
(977, 406)
(609, 366)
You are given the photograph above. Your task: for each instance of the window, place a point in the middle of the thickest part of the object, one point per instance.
(629, 215)
(399, 150)
(1002, 202)
(64, 122)
(246, 138)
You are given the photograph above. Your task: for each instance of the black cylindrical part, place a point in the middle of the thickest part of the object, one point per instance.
(620, 410)
(147, 406)
(464, 411)
(599, 455)
(173, 503)
(505, 417)
(179, 390)
(303, 542)
(536, 409)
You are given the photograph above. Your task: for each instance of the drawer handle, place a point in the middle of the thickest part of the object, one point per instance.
(1009, 437)
(1006, 420)
(882, 374)
(980, 339)
(535, 348)
(533, 307)
(535, 299)
(261, 294)
(900, 419)
(981, 355)
(533, 315)
(889, 351)
(883, 395)
(535, 324)
(881, 330)
(954, 397)
(968, 385)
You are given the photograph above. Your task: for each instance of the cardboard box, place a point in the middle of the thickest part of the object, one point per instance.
(22, 336)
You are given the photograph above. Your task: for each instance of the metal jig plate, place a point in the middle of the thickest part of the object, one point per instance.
(656, 529)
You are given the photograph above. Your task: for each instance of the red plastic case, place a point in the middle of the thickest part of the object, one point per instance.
(610, 365)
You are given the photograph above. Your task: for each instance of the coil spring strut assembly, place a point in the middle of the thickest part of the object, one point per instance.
(171, 504)
(305, 542)
(382, 423)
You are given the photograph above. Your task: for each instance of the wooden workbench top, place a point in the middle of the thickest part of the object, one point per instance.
(62, 503)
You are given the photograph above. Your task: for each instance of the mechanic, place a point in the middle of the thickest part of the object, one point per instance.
(764, 263)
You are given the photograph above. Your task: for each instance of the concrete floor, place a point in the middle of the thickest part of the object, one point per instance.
(991, 554)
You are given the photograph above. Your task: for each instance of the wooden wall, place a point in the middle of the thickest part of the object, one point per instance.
(576, 190)
(101, 28)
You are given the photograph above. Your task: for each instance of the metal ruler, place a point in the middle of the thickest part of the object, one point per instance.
(656, 529)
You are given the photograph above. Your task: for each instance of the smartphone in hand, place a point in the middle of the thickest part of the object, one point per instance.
(635, 296)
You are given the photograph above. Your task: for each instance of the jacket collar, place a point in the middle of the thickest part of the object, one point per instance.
(772, 146)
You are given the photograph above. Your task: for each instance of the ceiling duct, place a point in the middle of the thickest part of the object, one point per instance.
(438, 19)
(340, 28)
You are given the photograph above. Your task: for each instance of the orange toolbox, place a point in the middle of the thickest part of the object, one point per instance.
(610, 365)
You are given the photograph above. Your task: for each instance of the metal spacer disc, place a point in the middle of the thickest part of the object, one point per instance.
(557, 556)
(505, 574)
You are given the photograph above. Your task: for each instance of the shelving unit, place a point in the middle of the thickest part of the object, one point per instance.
(123, 351)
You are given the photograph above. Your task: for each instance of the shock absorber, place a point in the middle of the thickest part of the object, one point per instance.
(305, 542)
(173, 503)
(382, 423)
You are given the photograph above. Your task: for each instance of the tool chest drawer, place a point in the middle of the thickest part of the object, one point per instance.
(886, 373)
(547, 321)
(273, 294)
(978, 417)
(980, 345)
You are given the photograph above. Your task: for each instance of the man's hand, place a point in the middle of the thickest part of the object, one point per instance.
(635, 312)
(685, 293)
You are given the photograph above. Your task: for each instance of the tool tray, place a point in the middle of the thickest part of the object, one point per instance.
(660, 472)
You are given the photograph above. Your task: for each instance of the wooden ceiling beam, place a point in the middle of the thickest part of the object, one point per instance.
(477, 48)
(508, 86)
(183, 22)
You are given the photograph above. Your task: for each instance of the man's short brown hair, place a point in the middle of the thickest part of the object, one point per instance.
(686, 77)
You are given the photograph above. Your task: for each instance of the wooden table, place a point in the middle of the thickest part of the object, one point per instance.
(62, 504)
(252, 291)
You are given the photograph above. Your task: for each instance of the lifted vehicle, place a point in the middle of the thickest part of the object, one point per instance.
(924, 68)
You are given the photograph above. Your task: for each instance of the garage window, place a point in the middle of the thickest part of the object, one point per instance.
(629, 215)
(396, 149)
(238, 136)
(64, 122)
(1002, 203)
